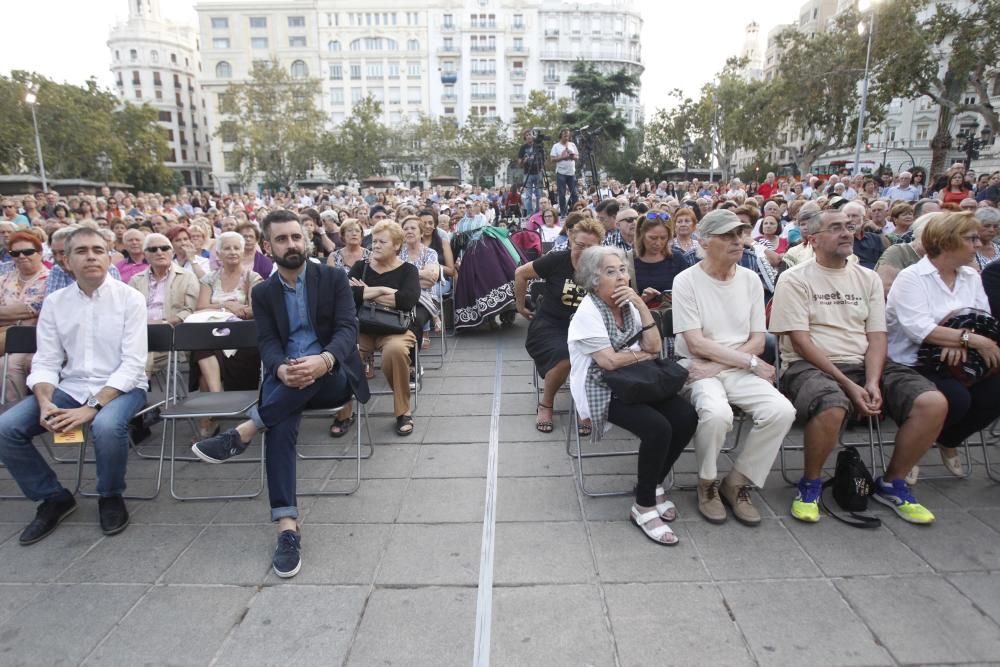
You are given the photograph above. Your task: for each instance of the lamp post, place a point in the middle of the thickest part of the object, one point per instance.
(31, 98)
(104, 164)
(687, 151)
(970, 144)
(864, 6)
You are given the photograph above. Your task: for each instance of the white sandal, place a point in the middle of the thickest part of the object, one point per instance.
(952, 463)
(665, 506)
(655, 534)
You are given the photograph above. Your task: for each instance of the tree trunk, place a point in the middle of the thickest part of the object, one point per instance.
(940, 143)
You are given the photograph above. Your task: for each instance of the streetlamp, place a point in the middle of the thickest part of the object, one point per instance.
(31, 98)
(104, 164)
(864, 6)
(970, 144)
(687, 151)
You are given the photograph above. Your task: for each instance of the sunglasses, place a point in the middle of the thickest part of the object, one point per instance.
(159, 248)
(27, 252)
(654, 215)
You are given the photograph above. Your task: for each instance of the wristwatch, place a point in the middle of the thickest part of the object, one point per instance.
(965, 338)
(92, 402)
(753, 362)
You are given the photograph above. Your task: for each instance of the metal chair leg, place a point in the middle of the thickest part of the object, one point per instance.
(235, 496)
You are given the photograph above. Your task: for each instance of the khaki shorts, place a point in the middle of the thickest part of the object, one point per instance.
(812, 391)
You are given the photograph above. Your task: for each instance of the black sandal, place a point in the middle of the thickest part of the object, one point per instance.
(584, 429)
(402, 422)
(545, 426)
(342, 426)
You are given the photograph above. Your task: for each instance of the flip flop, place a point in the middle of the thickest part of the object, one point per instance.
(544, 426)
(342, 426)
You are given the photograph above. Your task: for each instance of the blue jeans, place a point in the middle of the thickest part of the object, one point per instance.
(532, 192)
(280, 412)
(564, 181)
(108, 433)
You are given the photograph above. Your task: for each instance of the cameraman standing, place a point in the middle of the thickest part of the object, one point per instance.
(564, 155)
(530, 158)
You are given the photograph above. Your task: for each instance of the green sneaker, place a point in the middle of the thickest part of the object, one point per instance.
(805, 507)
(897, 496)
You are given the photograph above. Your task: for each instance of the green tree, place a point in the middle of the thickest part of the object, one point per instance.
(946, 51)
(597, 98)
(485, 145)
(143, 151)
(668, 131)
(355, 149)
(542, 113)
(275, 125)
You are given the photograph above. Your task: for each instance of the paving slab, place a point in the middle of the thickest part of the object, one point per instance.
(142, 558)
(537, 499)
(772, 614)
(46, 560)
(417, 626)
(675, 624)
(233, 555)
(624, 555)
(457, 500)
(462, 428)
(923, 619)
(64, 624)
(15, 596)
(543, 553)
(835, 548)
(273, 631)
(735, 552)
(186, 623)
(432, 555)
(387, 462)
(336, 554)
(451, 461)
(533, 459)
(550, 625)
(377, 501)
(945, 543)
(982, 589)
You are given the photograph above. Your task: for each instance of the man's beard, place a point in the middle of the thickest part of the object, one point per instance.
(291, 259)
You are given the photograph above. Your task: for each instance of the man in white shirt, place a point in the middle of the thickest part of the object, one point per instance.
(718, 316)
(564, 155)
(89, 370)
(903, 191)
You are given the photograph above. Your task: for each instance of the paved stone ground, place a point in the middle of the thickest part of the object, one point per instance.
(390, 574)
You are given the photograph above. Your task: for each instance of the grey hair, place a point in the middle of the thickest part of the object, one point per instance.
(588, 267)
(988, 216)
(63, 233)
(154, 238)
(82, 231)
(809, 217)
(230, 235)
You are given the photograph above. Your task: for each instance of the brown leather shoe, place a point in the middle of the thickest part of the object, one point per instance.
(735, 492)
(709, 503)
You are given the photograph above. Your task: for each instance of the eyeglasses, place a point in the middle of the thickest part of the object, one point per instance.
(613, 272)
(838, 228)
(159, 248)
(654, 215)
(28, 252)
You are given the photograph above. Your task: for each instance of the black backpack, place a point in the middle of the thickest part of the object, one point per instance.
(851, 485)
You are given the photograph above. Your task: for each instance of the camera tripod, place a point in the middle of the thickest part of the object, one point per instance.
(536, 165)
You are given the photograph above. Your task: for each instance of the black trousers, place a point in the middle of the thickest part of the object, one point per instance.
(970, 409)
(664, 429)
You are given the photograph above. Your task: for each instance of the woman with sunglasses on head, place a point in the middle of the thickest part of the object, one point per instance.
(21, 293)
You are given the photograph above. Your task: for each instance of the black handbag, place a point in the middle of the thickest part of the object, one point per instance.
(646, 381)
(379, 320)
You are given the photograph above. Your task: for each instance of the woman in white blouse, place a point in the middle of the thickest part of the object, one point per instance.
(924, 294)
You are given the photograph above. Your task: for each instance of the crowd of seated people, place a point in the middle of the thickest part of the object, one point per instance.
(199, 254)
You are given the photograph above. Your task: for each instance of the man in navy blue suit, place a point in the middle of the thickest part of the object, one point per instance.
(308, 333)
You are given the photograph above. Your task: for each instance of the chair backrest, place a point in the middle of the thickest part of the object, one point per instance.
(204, 336)
(20, 340)
(159, 337)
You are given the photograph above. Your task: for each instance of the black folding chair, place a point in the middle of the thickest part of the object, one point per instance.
(210, 337)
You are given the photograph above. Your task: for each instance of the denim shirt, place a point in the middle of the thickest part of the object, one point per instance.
(302, 340)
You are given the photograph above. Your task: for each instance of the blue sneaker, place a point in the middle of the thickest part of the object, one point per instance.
(805, 507)
(287, 561)
(218, 448)
(897, 496)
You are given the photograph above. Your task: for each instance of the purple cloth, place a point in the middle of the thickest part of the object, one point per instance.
(127, 268)
(262, 264)
(485, 285)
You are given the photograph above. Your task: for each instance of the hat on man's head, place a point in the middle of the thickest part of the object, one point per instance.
(719, 221)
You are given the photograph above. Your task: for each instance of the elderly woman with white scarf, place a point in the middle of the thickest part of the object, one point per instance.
(609, 316)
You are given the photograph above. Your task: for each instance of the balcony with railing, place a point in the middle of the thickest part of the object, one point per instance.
(552, 32)
(518, 27)
(517, 50)
(517, 98)
(449, 77)
(449, 50)
(482, 97)
(483, 73)
(449, 98)
(483, 48)
(518, 73)
(551, 78)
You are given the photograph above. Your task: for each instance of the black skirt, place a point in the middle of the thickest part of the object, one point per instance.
(547, 342)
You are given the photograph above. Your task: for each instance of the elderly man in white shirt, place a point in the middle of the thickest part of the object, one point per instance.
(89, 370)
(718, 316)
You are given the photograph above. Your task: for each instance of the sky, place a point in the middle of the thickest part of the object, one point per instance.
(684, 43)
